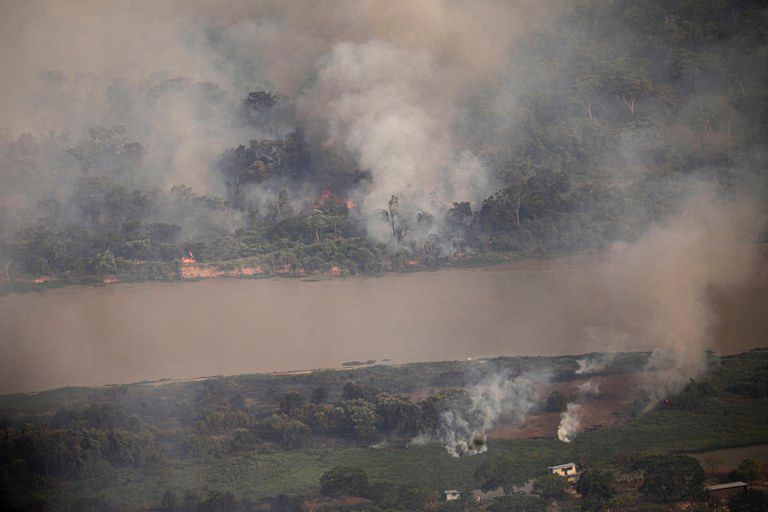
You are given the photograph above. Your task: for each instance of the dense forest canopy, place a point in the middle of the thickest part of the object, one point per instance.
(600, 121)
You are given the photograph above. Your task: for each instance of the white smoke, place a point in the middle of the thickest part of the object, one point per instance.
(570, 423)
(464, 432)
(594, 364)
(589, 388)
(378, 105)
(570, 419)
(422, 439)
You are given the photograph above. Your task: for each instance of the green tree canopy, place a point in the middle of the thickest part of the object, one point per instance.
(672, 477)
(596, 489)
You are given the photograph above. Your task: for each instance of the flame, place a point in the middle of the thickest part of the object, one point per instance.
(190, 259)
(328, 197)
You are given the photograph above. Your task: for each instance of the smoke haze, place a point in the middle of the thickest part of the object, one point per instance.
(378, 84)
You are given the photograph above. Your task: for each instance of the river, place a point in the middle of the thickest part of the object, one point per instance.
(85, 335)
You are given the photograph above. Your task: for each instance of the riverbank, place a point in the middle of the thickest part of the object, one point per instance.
(255, 268)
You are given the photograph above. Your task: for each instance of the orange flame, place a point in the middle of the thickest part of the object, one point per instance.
(190, 259)
(328, 197)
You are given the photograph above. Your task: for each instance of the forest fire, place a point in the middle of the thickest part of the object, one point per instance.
(328, 197)
(189, 258)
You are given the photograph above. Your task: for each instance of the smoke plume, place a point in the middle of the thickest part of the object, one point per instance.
(660, 286)
(464, 431)
(570, 423)
(594, 364)
(380, 86)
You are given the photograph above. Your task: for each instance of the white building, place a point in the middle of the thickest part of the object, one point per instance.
(567, 470)
(452, 494)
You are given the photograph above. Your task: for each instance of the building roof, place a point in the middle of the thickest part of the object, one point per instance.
(720, 487)
(561, 466)
(452, 491)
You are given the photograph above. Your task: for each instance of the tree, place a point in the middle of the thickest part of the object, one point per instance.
(352, 391)
(596, 489)
(550, 486)
(170, 502)
(106, 262)
(556, 402)
(672, 477)
(344, 481)
(751, 500)
(748, 470)
(294, 433)
(391, 215)
(361, 418)
(291, 401)
(395, 413)
(501, 472)
(285, 503)
(319, 394)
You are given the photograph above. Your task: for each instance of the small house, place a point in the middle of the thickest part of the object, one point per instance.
(452, 495)
(723, 492)
(566, 470)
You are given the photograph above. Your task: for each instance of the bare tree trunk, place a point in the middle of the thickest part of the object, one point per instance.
(630, 102)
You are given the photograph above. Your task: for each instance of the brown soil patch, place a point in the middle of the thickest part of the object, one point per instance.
(613, 404)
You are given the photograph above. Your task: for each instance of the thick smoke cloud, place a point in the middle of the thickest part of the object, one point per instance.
(463, 430)
(378, 84)
(662, 284)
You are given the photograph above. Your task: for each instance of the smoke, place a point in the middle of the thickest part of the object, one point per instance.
(570, 423)
(378, 103)
(570, 419)
(463, 431)
(379, 85)
(589, 388)
(594, 364)
(660, 287)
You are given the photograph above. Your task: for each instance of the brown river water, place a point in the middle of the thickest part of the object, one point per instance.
(84, 335)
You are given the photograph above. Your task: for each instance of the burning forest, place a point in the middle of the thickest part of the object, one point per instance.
(604, 162)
